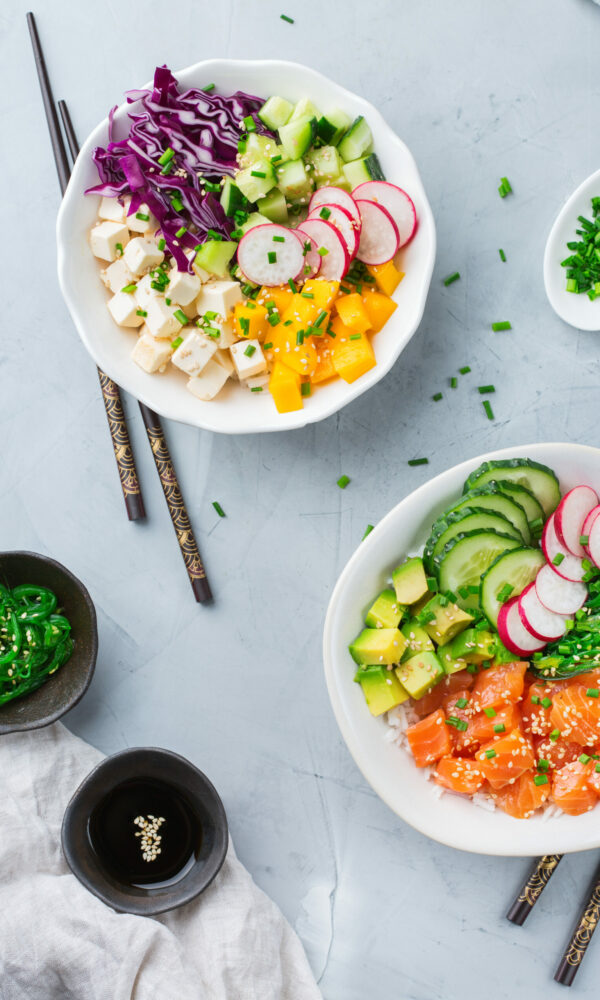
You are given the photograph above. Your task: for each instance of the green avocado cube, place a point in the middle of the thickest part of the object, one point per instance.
(442, 619)
(385, 612)
(378, 645)
(417, 639)
(474, 646)
(419, 673)
(381, 688)
(410, 582)
(420, 604)
(450, 664)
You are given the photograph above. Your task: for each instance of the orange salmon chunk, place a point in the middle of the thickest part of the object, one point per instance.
(506, 759)
(459, 774)
(429, 739)
(572, 788)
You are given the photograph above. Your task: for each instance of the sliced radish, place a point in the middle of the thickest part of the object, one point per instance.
(569, 566)
(397, 203)
(256, 247)
(312, 257)
(348, 226)
(570, 516)
(593, 545)
(334, 196)
(513, 633)
(587, 528)
(379, 239)
(557, 595)
(541, 623)
(336, 261)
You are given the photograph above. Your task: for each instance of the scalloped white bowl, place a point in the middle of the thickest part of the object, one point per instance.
(236, 411)
(389, 769)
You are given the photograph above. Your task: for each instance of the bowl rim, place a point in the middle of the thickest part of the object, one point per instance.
(300, 418)
(47, 720)
(556, 842)
(141, 761)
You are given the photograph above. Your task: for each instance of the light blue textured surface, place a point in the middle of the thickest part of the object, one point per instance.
(477, 91)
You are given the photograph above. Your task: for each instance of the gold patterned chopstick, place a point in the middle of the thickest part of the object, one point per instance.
(536, 882)
(582, 935)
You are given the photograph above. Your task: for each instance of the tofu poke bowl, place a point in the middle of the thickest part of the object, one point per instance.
(462, 653)
(245, 246)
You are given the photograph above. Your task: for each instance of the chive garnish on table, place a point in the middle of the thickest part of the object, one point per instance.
(418, 461)
(343, 482)
(218, 508)
(284, 17)
(452, 278)
(464, 370)
(504, 187)
(488, 409)
(437, 396)
(368, 531)
(483, 389)
(502, 325)
(502, 255)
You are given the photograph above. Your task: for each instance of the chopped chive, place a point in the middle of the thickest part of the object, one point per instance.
(208, 88)
(236, 234)
(418, 461)
(273, 319)
(119, 249)
(168, 301)
(249, 125)
(166, 170)
(257, 173)
(276, 159)
(288, 322)
(218, 508)
(506, 183)
(453, 382)
(267, 347)
(502, 325)
(181, 317)
(142, 216)
(502, 255)
(292, 285)
(345, 290)
(322, 315)
(343, 482)
(177, 203)
(546, 702)
(504, 592)
(256, 388)
(490, 754)
(368, 531)
(166, 156)
(540, 779)
(242, 145)
(500, 728)
(323, 251)
(181, 232)
(284, 17)
(490, 712)
(214, 235)
(431, 582)
(244, 324)
(299, 338)
(141, 312)
(488, 409)
(543, 764)
(584, 539)
(279, 239)
(250, 349)
(436, 397)
(325, 212)
(554, 735)
(464, 370)
(307, 295)
(482, 389)
(593, 693)
(355, 336)
(130, 289)
(460, 724)
(305, 389)
(584, 758)
(162, 243)
(558, 558)
(537, 524)
(213, 186)
(462, 702)
(272, 257)
(451, 278)
(175, 343)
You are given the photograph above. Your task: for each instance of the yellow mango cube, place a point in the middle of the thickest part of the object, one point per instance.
(352, 356)
(387, 276)
(281, 295)
(250, 320)
(325, 369)
(284, 386)
(352, 312)
(301, 311)
(378, 308)
(324, 292)
(290, 347)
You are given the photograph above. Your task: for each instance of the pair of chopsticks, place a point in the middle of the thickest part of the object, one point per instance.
(110, 391)
(587, 921)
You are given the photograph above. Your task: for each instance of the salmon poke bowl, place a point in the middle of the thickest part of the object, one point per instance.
(462, 653)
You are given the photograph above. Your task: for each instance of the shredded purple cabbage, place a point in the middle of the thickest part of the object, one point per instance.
(203, 129)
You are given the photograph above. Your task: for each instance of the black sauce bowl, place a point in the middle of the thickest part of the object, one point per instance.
(68, 685)
(187, 781)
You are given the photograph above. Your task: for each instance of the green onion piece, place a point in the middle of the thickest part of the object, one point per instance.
(212, 234)
(502, 325)
(141, 312)
(490, 754)
(288, 322)
(292, 285)
(119, 249)
(325, 212)
(597, 768)
(284, 17)
(504, 593)
(305, 389)
(546, 702)
(460, 724)
(256, 388)
(168, 301)
(355, 336)
(323, 251)
(343, 482)
(490, 712)
(502, 255)
(257, 173)
(177, 203)
(540, 779)
(451, 278)
(482, 389)
(267, 347)
(272, 257)
(208, 88)
(175, 343)
(322, 316)
(584, 758)
(462, 702)
(218, 508)
(465, 370)
(166, 156)
(535, 700)
(506, 184)
(543, 764)
(249, 125)
(537, 524)
(593, 693)
(453, 382)
(436, 397)
(418, 461)
(554, 735)
(142, 216)
(162, 243)
(279, 239)
(584, 539)
(558, 558)
(250, 349)
(307, 295)
(368, 531)
(166, 170)
(181, 232)
(500, 728)
(213, 187)
(488, 409)
(273, 319)
(181, 317)
(129, 288)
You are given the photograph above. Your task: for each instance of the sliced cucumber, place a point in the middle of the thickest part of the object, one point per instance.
(535, 477)
(294, 182)
(464, 560)
(332, 126)
(256, 180)
(366, 169)
(458, 522)
(532, 507)
(276, 112)
(232, 198)
(297, 136)
(254, 219)
(305, 109)
(514, 569)
(325, 162)
(258, 147)
(274, 207)
(214, 256)
(490, 497)
(356, 141)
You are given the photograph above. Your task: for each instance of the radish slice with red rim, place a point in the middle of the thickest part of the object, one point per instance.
(334, 196)
(310, 252)
(541, 623)
(593, 545)
(513, 633)
(570, 517)
(379, 239)
(563, 597)
(336, 261)
(395, 201)
(337, 216)
(270, 255)
(567, 565)
(588, 524)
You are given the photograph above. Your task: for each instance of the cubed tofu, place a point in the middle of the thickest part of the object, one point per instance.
(117, 276)
(108, 239)
(224, 327)
(161, 320)
(147, 224)
(183, 286)
(209, 382)
(112, 210)
(223, 358)
(219, 297)
(144, 290)
(248, 362)
(190, 310)
(123, 308)
(150, 354)
(258, 381)
(195, 352)
(142, 253)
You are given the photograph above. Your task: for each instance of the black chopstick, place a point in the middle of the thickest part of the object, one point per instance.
(69, 131)
(581, 937)
(130, 485)
(536, 882)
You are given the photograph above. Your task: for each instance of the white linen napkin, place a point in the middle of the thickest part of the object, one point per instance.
(58, 942)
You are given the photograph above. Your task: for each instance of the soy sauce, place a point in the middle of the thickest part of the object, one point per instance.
(151, 809)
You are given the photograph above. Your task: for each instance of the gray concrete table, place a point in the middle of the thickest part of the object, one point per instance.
(477, 90)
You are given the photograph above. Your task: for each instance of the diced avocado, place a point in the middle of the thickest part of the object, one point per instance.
(356, 141)
(304, 109)
(419, 673)
(275, 112)
(410, 582)
(417, 639)
(474, 646)
(504, 655)
(273, 206)
(297, 136)
(254, 219)
(381, 688)
(447, 621)
(258, 147)
(449, 663)
(256, 180)
(366, 169)
(232, 198)
(325, 162)
(418, 606)
(385, 612)
(332, 126)
(378, 645)
(294, 182)
(214, 256)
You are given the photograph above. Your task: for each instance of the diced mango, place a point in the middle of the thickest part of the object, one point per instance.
(301, 311)
(379, 308)
(302, 357)
(250, 320)
(324, 369)
(352, 356)
(281, 295)
(352, 312)
(284, 386)
(387, 276)
(324, 291)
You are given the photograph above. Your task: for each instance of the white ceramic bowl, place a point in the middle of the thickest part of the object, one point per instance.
(236, 411)
(389, 769)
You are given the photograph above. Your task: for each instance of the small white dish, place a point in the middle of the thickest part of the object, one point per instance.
(389, 769)
(236, 410)
(577, 310)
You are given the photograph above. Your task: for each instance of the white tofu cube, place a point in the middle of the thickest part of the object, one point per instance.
(107, 238)
(145, 291)
(199, 271)
(190, 310)
(112, 209)
(223, 358)
(142, 220)
(195, 352)
(150, 354)
(161, 320)
(183, 287)
(209, 382)
(248, 362)
(227, 335)
(123, 308)
(117, 276)
(142, 253)
(258, 382)
(219, 297)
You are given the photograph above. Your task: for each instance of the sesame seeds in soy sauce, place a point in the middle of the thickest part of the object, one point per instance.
(145, 833)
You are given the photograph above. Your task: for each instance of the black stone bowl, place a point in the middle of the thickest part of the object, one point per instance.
(64, 688)
(201, 797)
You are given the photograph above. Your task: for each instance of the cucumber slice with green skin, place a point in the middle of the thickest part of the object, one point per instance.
(367, 169)
(214, 256)
(275, 112)
(305, 109)
(356, 141)
(274, 207)
(294, 182)
(256, 180)
(332, 126)
(532, 507)
(254, 219)
(457, 522)
(516, 569)
(297, 136)
(232, 198)
(325, 162)
(535, 477)
(258, 147)
(489, 497)
(464, 560)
